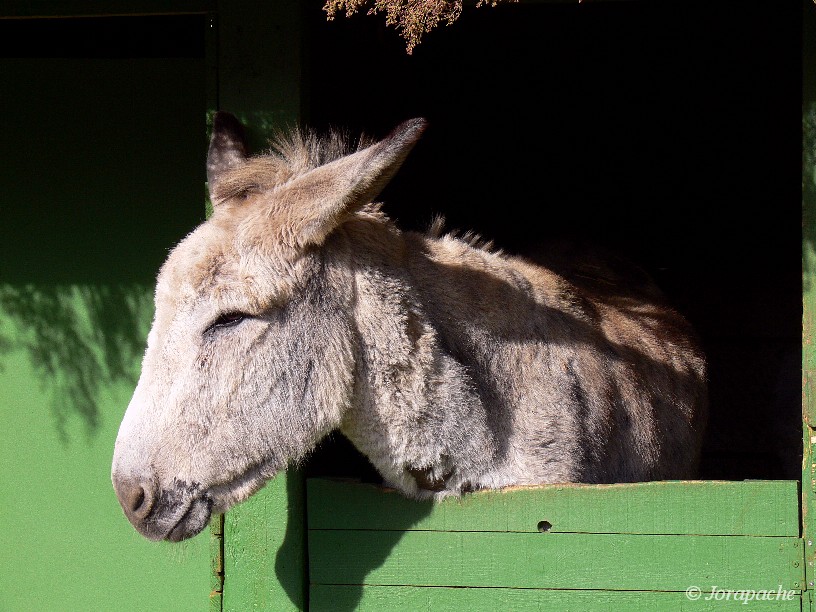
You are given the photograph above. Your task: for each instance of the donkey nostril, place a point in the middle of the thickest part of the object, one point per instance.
(138, 500)
(141, 500)
(136, 497)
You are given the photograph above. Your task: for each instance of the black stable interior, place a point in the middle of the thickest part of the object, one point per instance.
(669, 132)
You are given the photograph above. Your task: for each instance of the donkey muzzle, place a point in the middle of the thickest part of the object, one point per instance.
(174, 514)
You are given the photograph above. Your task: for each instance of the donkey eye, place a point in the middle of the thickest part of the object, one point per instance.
(228, 319)
(244, 193)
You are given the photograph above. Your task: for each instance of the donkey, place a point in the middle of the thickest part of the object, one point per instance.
(299, 308)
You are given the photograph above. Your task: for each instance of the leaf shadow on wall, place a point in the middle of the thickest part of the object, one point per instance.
(80, 340)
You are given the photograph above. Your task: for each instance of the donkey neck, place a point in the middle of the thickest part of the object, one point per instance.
(387, 309)
(411, 396)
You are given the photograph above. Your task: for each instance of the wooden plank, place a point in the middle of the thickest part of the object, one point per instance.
(769, 508)
(264, 549)
(442, 599)
(217, 563)
(554, 560)
(257, 76)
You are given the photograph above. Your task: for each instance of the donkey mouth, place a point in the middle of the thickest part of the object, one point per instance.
(192, 522)
(183, 509)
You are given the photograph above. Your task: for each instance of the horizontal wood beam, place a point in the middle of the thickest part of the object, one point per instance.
(378, 598)
(760, 508)
(555, 560)
(18, 9)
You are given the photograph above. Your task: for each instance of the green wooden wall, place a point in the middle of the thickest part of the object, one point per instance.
(102, 166)
(103, 155)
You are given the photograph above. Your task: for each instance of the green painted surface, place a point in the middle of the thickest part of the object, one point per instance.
(624, 546)
(769, 508)
(102, 164)
(553, 560)
(264, 549)
(375, 598)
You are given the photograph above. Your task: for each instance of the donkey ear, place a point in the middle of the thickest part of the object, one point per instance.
(320, 200)
(228, 149)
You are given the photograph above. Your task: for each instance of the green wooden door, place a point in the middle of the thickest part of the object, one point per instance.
(101, 158)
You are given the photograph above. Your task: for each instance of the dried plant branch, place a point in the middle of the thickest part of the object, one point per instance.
(411, 18)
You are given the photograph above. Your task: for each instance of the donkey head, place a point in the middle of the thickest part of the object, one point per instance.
(250, 358)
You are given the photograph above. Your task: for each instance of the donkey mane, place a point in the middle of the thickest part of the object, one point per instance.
(436, 230)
